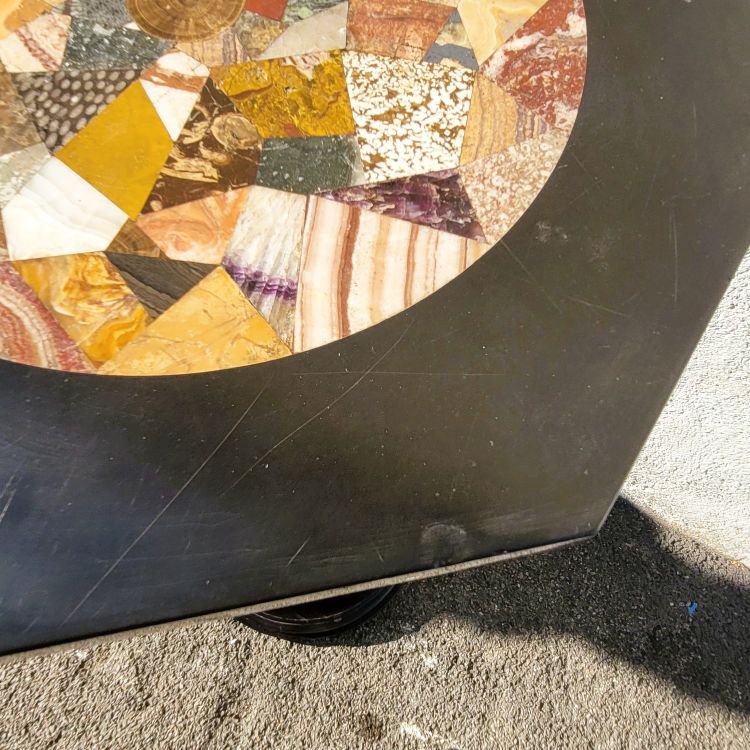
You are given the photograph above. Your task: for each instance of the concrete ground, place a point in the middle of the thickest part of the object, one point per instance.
(694, 472)
(638, 639)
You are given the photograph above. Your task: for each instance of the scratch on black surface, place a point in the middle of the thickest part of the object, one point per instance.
(138, 488)
(695, 122)
(460, 470)
(581, 165)
(30, 625)
(69, 476)
(326, 408)
(11, 495)
(578, 197)
(673, 236)
(598, 307)
(652, 183)
(296, 554)
(166, 507)
(530, 275)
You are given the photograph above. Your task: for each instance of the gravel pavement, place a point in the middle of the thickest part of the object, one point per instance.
(590, 646)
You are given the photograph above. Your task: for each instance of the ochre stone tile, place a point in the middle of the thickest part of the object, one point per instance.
(89, 299)
(122, 150)
(212, 327)
(28, 332)
(291, 97)
(395, 28)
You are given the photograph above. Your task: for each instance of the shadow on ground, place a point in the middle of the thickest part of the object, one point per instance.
(628, 592)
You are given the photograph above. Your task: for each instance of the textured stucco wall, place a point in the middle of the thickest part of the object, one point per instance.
(694, 472)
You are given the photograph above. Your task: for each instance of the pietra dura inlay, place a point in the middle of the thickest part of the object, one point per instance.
(62, 103)
(192, 185)
(184, 20)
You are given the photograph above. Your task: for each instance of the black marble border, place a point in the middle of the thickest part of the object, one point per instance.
(500, 414)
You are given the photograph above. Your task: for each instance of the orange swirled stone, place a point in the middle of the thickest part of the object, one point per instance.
(89, 299)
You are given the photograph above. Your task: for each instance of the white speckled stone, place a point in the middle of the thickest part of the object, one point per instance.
(410, 116)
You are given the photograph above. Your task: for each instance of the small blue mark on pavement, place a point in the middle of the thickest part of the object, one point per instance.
(692, 608)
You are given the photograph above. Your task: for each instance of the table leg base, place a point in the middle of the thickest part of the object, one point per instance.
(319, 618)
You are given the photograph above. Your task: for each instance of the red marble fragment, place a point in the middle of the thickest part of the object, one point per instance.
(543, 65)
(28, 332)
(268, 8)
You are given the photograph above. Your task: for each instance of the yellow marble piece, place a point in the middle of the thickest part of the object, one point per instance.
(291, 97)
(122, 150)
(89, 299)
(489, 23)
(16, 13)
(212, 327)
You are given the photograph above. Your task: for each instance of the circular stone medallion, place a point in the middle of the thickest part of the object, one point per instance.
(226, 183)
(184, 20)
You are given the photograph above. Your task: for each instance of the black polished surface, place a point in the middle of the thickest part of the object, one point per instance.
(501, 413)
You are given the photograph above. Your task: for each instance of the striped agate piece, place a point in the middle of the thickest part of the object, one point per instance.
(359, 268)
(28, 332)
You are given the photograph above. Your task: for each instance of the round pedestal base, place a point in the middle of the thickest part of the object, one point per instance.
(319, 618)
